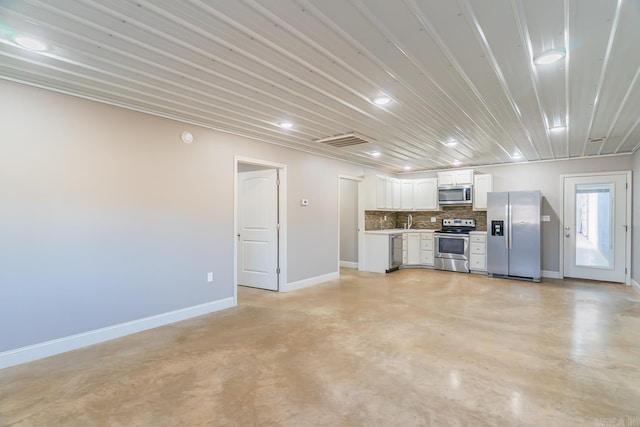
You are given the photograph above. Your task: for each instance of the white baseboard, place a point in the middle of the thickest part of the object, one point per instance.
(635, 284)
(72, 342)
(551, 274)
(310, 281)
(348, 264)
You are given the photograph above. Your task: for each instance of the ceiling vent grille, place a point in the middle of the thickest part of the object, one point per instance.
(597, 139)
(345, 140)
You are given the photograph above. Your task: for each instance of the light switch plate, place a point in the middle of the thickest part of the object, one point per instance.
(433, 219)
(545, 218)
(210, 277)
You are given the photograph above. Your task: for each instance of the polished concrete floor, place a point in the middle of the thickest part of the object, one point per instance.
(415, 347)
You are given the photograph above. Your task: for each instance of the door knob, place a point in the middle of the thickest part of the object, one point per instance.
(567, 228)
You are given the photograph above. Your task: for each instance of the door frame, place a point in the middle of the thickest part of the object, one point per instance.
(282, 218)
(360, 209)
(629, 218)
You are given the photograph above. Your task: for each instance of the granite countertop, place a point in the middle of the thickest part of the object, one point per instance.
(412, 230)
(399, 230)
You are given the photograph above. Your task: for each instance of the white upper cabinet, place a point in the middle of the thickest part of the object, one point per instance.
(375, 192)
(446, 178)
(386, 193)
(396, 193)
(456, 177)
(406, 194)
(380, 192)
(482, 184)
(425, 194)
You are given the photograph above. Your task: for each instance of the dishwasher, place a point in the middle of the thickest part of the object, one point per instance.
(395, 252)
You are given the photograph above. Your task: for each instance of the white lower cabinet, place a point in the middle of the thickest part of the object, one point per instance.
(478, 251)
(413, 248)
(405, 238)
(426, 249)
(417, 249)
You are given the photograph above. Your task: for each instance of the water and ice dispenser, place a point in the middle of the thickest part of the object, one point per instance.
(497, 228)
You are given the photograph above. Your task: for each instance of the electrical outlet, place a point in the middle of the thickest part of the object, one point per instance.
(210, 277)
(433, 219)
(545, 218)
(385, 218)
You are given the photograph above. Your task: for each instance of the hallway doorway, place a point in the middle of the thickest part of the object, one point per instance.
(351, 222)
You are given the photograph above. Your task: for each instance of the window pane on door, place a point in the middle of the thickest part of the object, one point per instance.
(593, 229)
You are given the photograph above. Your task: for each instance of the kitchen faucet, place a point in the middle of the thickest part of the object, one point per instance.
(409, 221)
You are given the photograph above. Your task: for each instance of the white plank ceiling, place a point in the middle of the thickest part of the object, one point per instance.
(454, 70)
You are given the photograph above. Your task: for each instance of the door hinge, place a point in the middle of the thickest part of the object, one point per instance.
(278, 182)
(278, 227)
(625, 271)
(278, 270)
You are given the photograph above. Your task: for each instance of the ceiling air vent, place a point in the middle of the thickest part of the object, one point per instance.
(345, 140)
(597, 139)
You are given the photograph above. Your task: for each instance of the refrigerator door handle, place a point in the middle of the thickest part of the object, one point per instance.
(506, 226)
(510, 232)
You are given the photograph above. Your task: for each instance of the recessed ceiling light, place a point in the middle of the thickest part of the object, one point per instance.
(285, 125)
(30, 43)
(451, 143)
(456, 162)
(381, 100)
(549, 57)
(556, 129)
(375, 154)
(516, 156)
(408, 168)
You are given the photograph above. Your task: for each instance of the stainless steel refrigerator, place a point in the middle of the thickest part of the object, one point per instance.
(513, 234)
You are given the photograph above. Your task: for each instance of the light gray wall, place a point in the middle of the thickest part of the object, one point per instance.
(348, 220)
(545, 176)
(635, 233)
(107, 217)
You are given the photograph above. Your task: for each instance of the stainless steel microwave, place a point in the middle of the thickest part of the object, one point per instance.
(455, 195)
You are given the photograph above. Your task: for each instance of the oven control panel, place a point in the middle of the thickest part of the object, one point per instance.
(459, 222)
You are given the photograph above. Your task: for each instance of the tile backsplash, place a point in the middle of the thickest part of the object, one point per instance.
(374, 220)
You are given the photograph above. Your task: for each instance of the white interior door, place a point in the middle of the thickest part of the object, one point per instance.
(257, 229)
(595, 227)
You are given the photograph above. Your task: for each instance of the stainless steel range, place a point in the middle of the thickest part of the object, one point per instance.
(452, 245)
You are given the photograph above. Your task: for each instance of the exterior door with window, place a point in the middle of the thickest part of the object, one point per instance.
(595, 226)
